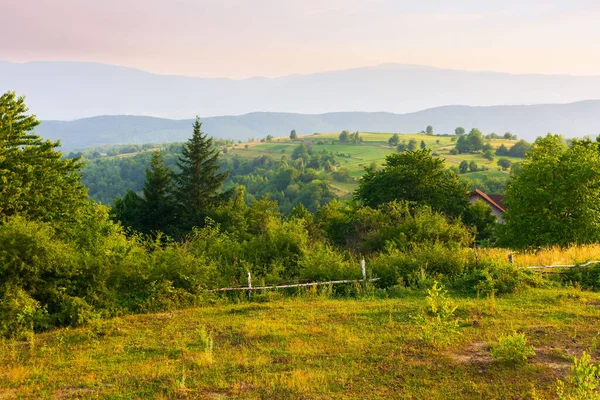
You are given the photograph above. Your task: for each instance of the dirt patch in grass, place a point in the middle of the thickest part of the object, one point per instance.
(72, 393)
(476, 353)
(552, 358)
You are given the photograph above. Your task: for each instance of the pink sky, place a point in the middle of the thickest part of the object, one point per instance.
(237, 38)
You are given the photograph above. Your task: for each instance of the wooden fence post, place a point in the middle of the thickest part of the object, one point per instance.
(364, 270)
(249, 284)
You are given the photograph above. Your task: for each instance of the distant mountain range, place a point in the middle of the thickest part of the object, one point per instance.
(70, 90)
(572, 120)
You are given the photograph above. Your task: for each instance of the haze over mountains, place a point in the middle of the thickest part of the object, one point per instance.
(70, 90)
(384, 98)
(576, 119)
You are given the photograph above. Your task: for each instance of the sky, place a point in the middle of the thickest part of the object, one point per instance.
(271, 38)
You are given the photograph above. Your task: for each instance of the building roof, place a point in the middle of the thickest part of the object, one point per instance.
(495, 200)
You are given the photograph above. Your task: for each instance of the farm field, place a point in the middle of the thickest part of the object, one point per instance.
(308, 347)
(355, 157)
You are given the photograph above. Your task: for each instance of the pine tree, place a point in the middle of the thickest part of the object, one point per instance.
(34, 178)
(158, 191)
(199, 182)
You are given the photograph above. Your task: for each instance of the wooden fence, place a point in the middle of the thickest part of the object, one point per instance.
(292, 285)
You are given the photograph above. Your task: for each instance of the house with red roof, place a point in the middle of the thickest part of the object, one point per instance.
(495, 201)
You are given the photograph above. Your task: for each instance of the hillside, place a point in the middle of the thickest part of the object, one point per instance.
(70, 90)
(571, 120)
(355, 157)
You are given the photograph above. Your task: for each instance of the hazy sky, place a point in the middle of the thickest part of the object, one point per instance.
(243, 38)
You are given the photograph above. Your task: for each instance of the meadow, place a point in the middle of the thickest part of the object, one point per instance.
(355, 157)
(311, 345)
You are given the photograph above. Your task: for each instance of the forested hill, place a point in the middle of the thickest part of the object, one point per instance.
(528, 122)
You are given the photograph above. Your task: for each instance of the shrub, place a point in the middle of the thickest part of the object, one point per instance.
(438, 323)
(588, 277)
(512, 349)
(322, 263)
(416, 265)
(19, 313)
(584, 382)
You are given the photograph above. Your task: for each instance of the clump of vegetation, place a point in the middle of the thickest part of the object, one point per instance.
(438, 323)
(512, 349)
(583, 383)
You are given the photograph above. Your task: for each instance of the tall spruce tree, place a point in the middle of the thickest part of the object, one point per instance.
(158, 196)
(199, 182)
(34, 178)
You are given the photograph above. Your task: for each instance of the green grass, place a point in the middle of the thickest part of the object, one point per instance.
(310, 347)
(374, 149)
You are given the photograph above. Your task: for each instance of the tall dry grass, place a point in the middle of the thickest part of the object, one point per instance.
(548, 256)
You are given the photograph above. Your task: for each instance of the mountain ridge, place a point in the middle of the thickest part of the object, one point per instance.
(527, 121)
(73, 90)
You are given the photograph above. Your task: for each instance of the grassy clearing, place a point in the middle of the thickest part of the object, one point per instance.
(374, 149)
(309, 347)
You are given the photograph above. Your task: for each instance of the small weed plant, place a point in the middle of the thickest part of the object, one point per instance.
(512, 349)
(438, 323)
(584, 382)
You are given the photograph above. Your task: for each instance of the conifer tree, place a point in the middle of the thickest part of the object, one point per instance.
(158, 196)
(34, 178)
(199, 182)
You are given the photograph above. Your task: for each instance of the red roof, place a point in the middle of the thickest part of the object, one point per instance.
(495, 200)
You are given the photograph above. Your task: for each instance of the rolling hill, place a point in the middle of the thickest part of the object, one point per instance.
(70, 90)
(575, 119)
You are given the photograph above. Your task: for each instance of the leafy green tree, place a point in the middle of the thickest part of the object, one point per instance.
(475, 140)
(129, 211)
(502, 150)
(463, 167)
(423, 145)
(301, 152)
(198, 185)
(519, 149)
(269, 138)
(480, 216)
(412, 145)
(401, 147)
(462, 145)
(459, 131)
(414, 176)
(293, 135)
(473, 166)
(394, 140)
(489, 155)
(35, 180)
(504, 163)
(553, 199)
(429, 130)
(344, 137)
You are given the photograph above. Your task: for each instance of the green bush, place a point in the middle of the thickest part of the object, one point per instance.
(438, 323)
(323, 263)
(512, 349)
(409, 267)
(588, 277)
(584, 382)
(498, 277)
(19, 313)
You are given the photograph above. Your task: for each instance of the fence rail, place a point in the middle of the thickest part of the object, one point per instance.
(292, 285)
(562, 266)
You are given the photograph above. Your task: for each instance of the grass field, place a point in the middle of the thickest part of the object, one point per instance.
(374, 149)
(312, 347)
